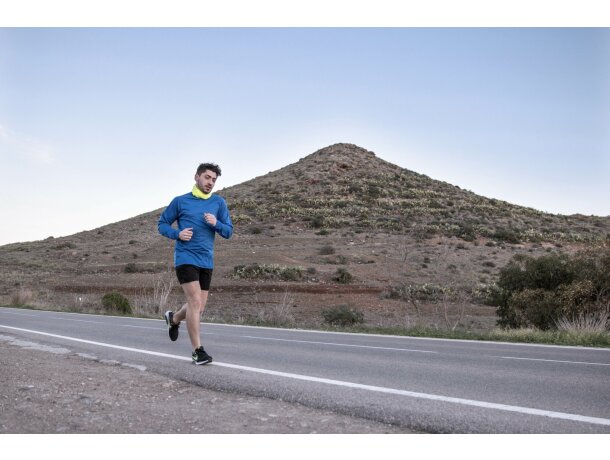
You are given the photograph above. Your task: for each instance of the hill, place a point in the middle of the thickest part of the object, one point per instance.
(345, 186)
(340, 227)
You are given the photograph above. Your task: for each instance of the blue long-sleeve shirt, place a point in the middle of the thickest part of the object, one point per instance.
(188, 211)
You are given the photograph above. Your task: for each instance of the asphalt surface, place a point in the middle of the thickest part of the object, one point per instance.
(429, 385)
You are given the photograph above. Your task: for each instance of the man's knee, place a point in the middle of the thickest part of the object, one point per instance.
(195, 304)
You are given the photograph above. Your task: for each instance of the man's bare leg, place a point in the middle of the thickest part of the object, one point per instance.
(192, 310)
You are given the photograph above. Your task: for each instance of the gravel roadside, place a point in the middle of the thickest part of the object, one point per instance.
(59, 391)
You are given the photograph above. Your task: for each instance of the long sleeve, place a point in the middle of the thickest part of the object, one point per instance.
(167, 218)
(188, 211)
(224, 225)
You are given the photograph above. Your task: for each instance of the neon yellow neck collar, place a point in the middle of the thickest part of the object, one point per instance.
(199, 194)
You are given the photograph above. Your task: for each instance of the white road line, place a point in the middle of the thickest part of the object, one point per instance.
(338, 344)
(78, 320)
(552, 360)
(308, 378)
(313, 331)
(101, 344)
(143, 327)
(413, 394)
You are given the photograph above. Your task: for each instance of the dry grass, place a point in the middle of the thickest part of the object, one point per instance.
(572, 337)
(278, 313)
(154, 301)
(596, 322)
(22, 297)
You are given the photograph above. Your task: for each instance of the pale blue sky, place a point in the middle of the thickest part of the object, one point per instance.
(99, 125)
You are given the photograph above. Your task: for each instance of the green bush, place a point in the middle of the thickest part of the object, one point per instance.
(466, 232)
(131, 268)
(539, 292)
(420, 292)
(268, 272)
(508, 235)
(342, 276)
(117, 302)
(374, 191)
(527, 294)
(343, 316)
(65, 245)
(327, 250)
(536, 307)
(318, 221)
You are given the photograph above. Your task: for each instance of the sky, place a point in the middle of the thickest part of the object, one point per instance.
(98, 125)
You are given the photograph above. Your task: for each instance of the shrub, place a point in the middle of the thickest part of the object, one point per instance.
(508, 235)
(318, 221)
(343, 316)
(117, 302)
(342, 276)
(540, 291)
(420, 292)
(337, 260)
(374, 191)
(291, 273)
(527, 290)
(130, 268)
(268, 272)
(545, 272)
(327, 250)
(466, 232)
(535, 307)
(65, 245)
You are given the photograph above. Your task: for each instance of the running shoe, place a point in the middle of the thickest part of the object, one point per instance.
(173, 328)
(201, 357)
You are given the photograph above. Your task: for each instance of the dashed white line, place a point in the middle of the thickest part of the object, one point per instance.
(308, 378)
(301, 341)
(338, 344)
(78, 320)
(140, 327)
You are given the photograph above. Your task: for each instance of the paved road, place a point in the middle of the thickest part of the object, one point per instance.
(425, 384)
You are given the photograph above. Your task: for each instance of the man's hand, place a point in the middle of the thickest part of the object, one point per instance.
(186, 234)
(210, 219)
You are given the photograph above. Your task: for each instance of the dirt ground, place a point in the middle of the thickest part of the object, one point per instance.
(55, 390)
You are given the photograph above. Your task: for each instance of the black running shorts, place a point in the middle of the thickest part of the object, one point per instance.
(190, 273)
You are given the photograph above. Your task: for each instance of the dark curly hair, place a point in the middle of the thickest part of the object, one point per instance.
(209, 167)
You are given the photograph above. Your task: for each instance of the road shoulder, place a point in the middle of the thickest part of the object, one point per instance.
(54, 390)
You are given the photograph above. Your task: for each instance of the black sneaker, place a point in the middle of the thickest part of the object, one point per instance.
(173, 328)
(201, 357)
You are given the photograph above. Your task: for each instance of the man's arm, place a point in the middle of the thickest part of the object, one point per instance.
(168, 217)
(224, 226)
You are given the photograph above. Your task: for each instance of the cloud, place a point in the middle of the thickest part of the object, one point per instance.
(17, 146)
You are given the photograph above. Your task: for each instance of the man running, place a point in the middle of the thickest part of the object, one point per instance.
(200, 215)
